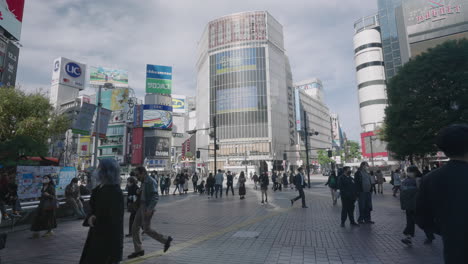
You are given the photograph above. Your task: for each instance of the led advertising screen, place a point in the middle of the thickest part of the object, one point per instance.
(228, 100)
(236, 60)
(157, 147)
(11, 13)
(157, 116)
(158, 79)
(101, 75)
(115, 99)
(179, 104)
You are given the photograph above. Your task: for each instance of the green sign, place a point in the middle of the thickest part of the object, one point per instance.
(158, 86)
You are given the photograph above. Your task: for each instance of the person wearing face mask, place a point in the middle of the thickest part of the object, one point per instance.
(72, 194)
(364, 186)
(45, 219)
(348, 193)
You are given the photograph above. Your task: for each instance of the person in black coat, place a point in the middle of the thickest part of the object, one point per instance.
(442, 201)
(104, 244)
(132, 201)
(300, 183)
(45, 218)
(348, 192)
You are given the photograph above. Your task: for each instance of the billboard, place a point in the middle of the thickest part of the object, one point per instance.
(29, 179)
(130, 109)
(68, 72)
(11, 14)
(84, 146)
(372, 145)
(179, 104)
(157, 146)
(104, 118)
(158, 79)
(236, 60)
(137, 146)
(228, 100)
(157, 116)
(83, 121)
(336, 139)
(115, 99)
(10, 65)
(138, 116)
(100, 75)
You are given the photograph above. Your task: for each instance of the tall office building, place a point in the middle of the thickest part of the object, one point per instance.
(244, 88)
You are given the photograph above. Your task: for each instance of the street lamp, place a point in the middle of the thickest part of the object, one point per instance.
(306, 137)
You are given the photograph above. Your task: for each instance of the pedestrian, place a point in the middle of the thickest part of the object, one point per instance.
(177, 181)
(373, 182)
(162, 183)
(285, 180)
(167, 183)
(429, 233)
(274, 179)
(210, 183)
(348, 192)
(426, 170)
(72, 195)
(380, 180)
(255, 179)
(363, 182)
(291, 179)
(219, 179)
(264, 182)
(3, 192)
(194, 181)
(332, 184)
(45, 218)
(148, 199)
(242, 181)
(132, 201)
(104, 243)
(201, 187)
(300, 183)
(441, 204)
(396, 182)
(12, 198)
(229, 183)
(186, 182)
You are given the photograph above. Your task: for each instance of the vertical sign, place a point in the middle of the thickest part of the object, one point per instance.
(137, 146)
(11, 65)
(291, 117)
(158, 79)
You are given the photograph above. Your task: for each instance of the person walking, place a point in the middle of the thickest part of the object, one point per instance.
(104, 243)
(264, 182)
(194, 181)
(45, 218)
(348, 192)
(300, 183)
(291, 179)
(210, 183)
(441, 204)
(396, 182)
(162, 183)
(219, 179)
(332, 184)
(242, 181)
(132, 201)
(229, 183)
(255, 179)
(363, 186)
(285, 180)
(72, 195)
(177, 184)
(380, 180)
(167, 184)
(186, 182)
(148, 199)
(373, 182)
(274, 179)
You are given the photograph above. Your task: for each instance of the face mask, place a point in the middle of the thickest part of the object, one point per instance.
(45, 181)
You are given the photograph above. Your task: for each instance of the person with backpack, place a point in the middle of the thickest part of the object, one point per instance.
(229, 183)
(264, 182)
(332, 184)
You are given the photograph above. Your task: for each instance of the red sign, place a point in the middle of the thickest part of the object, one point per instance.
(366, 145)
(137, 146)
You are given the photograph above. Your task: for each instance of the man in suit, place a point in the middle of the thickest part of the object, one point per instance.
(349, 193)
(299, 181)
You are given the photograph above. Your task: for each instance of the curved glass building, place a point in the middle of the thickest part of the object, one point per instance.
(244, 82)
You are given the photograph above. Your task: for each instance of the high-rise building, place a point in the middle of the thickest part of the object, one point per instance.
(244, 88)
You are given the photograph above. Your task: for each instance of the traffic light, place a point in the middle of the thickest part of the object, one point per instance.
(285, 157)
(198, 154)
(330, 153)
(217, 146)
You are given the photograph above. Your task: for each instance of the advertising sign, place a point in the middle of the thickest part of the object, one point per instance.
(29, 179)
(11, 65)
(156, 163)
(298, 110)
(291, 117)
(372, 145)
(158, 79)
(69, 73)
(84, 146)
(83, 121)
(157, 116)
(104, 118)
(137, 146)
(157, 147)
(138, 116)
(11, 16)
(115, 99)
(335, 131)
(130, 110)
(240, 99)
(100, 75)
(66, 174)
(179, 104)
(236, 60)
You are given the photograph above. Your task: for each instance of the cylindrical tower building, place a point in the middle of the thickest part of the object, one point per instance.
(370, 72)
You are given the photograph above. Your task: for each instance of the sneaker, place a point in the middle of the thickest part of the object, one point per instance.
(263, 201)
(407, 241)
(136, 254)
(167, 245)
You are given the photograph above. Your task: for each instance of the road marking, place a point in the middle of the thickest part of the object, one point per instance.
(192, 242)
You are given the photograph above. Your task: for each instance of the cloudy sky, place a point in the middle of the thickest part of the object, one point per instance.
(130, 34)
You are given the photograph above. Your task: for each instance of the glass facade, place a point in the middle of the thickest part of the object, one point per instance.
(390, 38)
(238, 93)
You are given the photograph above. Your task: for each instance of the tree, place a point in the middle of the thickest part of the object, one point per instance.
(429, 93)
(353, 150)
(26, 124)
(323, 158)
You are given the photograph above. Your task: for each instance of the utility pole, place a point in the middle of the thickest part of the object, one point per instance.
(96, 128)
(372, 151)
(215, 144)
(306, 135)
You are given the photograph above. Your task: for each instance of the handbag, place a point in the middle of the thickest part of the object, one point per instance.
(51, 204)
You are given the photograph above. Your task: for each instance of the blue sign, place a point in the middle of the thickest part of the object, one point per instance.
(157, 107)
(158, 72)
(236, 60)
(73, 69)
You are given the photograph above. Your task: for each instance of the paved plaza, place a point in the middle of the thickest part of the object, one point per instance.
(230, 230)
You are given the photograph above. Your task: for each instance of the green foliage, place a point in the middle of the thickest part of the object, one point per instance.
(26, 123)
(323, 158)
(429, 93)
(353, 150)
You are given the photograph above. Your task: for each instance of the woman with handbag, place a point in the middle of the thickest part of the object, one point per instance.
(45, 219)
